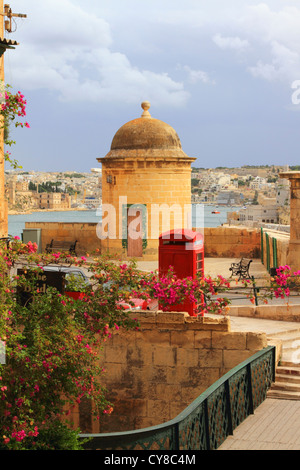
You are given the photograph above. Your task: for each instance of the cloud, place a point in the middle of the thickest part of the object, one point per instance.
(195, 76)
(71, 48)
(271, 41)
(284, 65)
(276, 34)
(69, 51)
(230, 42)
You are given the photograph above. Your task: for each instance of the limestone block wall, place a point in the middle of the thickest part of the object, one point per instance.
(84, 233)
(235, 242)
(222, 242)
(154, 373)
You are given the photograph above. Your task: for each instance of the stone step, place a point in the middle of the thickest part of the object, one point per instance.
(286, 386)
(292, 342)
(290, 358)
(290, 345)
(287, 334)
(288, 368)
(291, 353)
(287, 382)
(287, 377)
(283, 378)
(283, 394)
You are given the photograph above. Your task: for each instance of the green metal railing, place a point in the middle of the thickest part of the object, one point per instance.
(265, 237)
(210, 419)
(268, 251)
(275, 261)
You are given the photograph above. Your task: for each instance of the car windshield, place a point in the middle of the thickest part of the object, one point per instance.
(75, 280)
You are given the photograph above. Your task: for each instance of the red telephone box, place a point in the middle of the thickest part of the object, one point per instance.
(183, 250)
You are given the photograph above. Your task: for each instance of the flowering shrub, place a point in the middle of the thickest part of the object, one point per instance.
(52, 347)
(12, 107)
(169, 290)
(280, 286)
(283, 281)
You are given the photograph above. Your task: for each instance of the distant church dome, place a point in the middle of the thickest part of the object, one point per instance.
(146, 136)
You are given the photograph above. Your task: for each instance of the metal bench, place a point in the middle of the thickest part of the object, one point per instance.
(61, 245)
(241, 268)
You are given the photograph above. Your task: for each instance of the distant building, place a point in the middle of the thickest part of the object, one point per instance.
(260, 214)
(259, 183)
(229, 198)
(53, 201)
(283, 193)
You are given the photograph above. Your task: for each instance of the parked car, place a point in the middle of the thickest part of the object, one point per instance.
(74, 277)
(76, 282)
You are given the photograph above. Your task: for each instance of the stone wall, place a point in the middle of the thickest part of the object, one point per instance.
(84, 233)
(231, 242)
(223, 242)
(156, 372)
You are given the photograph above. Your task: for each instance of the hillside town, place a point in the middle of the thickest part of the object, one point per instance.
(263, 197)
(258, 192)
(28, 191)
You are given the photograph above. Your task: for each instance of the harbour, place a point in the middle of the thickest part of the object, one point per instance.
(202, 216)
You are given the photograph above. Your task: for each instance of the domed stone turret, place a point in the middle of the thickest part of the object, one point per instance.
(146, 134)
(144, 170)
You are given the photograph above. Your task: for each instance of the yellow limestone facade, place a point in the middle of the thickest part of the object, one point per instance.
(146, 187)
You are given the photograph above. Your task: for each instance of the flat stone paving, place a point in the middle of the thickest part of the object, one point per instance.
(214, 266)
(273, 426)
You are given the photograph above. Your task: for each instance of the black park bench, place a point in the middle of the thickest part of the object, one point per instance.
(241, 268)
(61, 245)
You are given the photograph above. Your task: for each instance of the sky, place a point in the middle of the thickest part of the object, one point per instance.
(224, 75)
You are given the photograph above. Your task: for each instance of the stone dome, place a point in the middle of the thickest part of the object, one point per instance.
(146, 136)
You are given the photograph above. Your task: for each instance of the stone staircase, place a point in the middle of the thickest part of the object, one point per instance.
(287, 376)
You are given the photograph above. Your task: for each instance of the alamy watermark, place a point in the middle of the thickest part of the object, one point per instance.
(148, 221)
(296, 352)
(296, 95)
(2, 353)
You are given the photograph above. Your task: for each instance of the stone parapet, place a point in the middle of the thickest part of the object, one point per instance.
(219, 242)
(84, 233)
(156, 371)
(231, 242)
(284, 312)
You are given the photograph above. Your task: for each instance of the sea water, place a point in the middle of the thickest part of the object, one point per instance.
(202, 216)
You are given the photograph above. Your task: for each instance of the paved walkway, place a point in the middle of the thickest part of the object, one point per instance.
(275, 425)
(214, 266)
